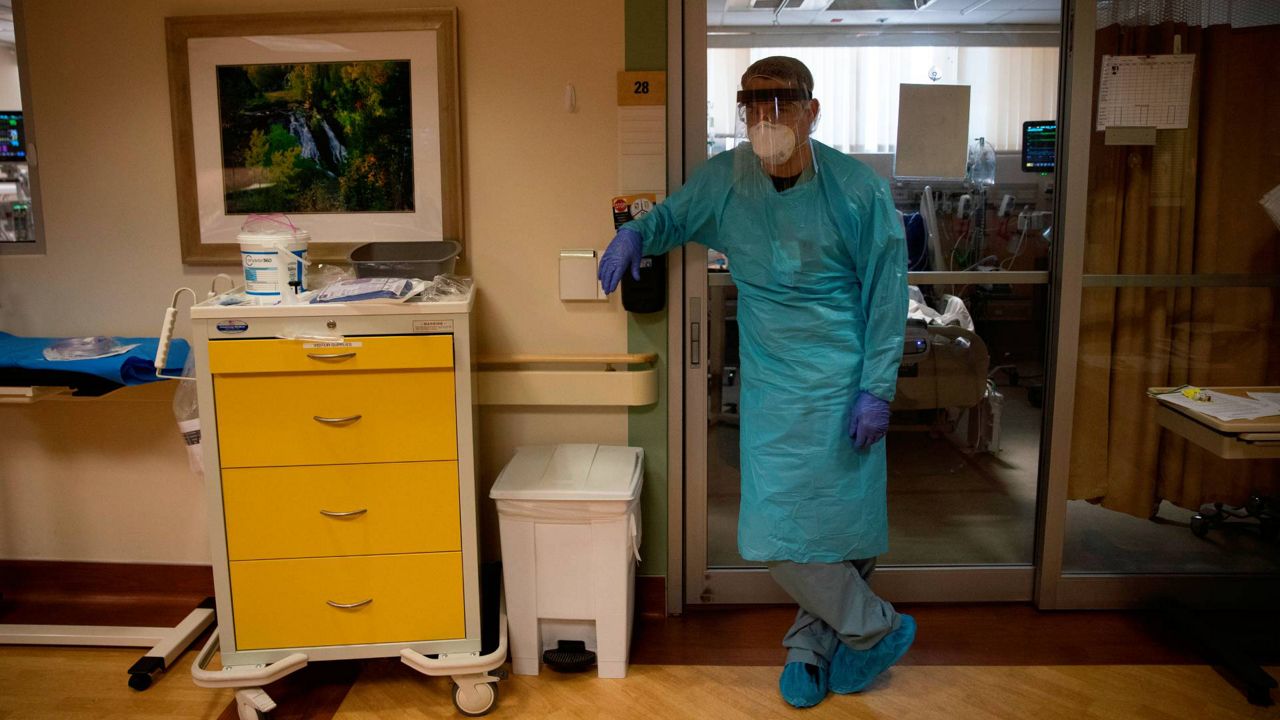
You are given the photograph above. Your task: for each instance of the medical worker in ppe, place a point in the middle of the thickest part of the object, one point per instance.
(817, 252)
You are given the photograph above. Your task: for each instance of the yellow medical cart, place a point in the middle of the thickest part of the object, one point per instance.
(340, 475)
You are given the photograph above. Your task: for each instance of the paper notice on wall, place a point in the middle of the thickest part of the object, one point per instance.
(1145, 91)
(642, 149)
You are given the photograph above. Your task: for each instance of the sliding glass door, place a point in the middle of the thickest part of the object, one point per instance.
(1173, 280)
(965, 443)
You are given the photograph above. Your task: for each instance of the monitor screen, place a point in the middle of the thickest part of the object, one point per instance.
(13, 139)
(1039, 144)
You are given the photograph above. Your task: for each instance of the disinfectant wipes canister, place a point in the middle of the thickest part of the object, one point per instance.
(273, 252)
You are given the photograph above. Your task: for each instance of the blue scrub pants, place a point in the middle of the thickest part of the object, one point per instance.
(836, 605)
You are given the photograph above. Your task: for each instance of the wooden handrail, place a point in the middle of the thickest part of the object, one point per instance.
(601, 359)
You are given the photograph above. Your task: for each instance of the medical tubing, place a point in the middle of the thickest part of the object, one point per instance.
(213, 286)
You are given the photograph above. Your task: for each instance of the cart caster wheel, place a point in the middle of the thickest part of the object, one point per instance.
(140, 681)
(1200, 525)
(478, 703)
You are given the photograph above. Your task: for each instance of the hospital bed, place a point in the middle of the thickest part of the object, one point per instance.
(943, 366)
(944, 361)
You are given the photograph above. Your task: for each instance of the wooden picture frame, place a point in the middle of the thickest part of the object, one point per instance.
(423, 41)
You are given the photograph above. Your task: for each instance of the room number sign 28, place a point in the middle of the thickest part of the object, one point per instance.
(642, 88)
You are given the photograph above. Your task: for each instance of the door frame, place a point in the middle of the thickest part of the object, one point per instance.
(690, 581)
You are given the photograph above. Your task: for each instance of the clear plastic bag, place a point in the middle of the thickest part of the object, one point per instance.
(325, 274)
(378, 288)
(276, 225)
(186, 410)
(445, 287)
(981, 167)
(984, 422)
(85, 348)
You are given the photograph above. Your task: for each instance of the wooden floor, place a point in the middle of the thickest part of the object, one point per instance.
(89, 684)
(969, 661)
(988, 634)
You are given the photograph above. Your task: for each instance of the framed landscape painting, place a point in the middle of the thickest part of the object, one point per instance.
(345, 121)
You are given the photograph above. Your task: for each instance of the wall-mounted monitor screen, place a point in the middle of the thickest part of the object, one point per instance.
(1039, 145)
(13, 139)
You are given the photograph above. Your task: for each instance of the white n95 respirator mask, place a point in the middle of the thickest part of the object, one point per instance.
(772, 142)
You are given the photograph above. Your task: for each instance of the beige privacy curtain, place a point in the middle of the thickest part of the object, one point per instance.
(1189, 205)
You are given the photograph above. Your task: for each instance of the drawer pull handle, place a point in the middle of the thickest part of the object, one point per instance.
(331, 356)
(348, 606)
(337, 421)
(349, 513)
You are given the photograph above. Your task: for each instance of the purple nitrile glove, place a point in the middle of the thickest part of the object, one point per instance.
(868, 420)
(623, 254)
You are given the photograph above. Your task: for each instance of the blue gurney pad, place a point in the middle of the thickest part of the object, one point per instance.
(134, 367)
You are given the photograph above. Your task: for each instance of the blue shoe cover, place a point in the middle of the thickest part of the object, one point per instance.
(802, 685)
(853, 671)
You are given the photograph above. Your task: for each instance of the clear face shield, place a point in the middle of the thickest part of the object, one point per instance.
(776, 122)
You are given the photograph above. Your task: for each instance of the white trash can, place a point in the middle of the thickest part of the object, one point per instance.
(569, 516)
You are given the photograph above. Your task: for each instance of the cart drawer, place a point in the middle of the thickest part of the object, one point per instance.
(357, 353)
(291, 603)
(335, 417)
(324, 510)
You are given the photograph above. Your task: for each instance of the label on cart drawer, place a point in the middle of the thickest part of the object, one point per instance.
(432, 326)
(331, 344)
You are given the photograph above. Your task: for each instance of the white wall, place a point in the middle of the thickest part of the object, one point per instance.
(107, 479)
(10, 94)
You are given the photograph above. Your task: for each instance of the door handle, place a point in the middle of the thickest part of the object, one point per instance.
(331, 356)
(695, 332)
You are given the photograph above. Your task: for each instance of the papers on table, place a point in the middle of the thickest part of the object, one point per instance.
(1227, 407)
(1272, 399)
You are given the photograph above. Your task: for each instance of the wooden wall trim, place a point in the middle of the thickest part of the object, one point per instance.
(27, 577)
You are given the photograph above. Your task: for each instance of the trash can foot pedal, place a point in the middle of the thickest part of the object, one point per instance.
(569, 656)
